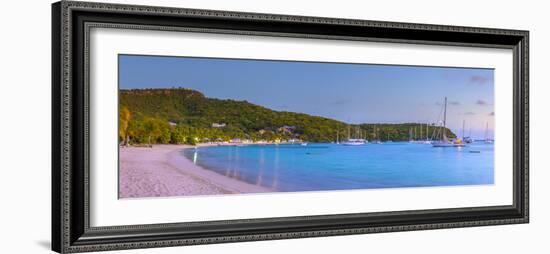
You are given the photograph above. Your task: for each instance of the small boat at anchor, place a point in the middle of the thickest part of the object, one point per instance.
(444, 141)
(355, 141)
(487, 140)
(376, 140)
(448, 143)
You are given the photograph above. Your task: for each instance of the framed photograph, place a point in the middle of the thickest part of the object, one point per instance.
(182, 126)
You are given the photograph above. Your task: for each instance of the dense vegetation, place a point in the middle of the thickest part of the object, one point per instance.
(179, 115)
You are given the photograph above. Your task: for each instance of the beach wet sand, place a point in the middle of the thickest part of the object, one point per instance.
(161, 171)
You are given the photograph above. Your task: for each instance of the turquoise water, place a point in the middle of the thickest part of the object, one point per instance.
(337, 167)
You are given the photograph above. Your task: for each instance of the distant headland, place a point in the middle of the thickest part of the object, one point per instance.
(185, 116)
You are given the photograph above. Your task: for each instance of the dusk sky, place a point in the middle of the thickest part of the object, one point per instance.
(353, 93)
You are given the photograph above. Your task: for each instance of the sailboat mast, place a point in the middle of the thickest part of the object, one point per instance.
(444, 134)
(463, 124)
(445, 114)
(427, 131)
(486, 129)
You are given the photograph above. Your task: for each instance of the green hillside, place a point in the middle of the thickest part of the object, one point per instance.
(180, 115)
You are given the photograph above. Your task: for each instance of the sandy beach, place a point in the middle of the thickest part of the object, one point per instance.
(161, 171)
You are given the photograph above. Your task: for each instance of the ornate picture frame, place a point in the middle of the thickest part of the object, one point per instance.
(71, 202)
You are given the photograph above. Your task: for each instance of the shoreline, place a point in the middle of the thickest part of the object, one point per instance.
(231, 184)
(162, 171)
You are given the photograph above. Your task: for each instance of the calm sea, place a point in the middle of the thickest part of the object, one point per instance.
(339, 167)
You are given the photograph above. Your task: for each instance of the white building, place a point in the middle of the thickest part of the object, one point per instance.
(218, 125)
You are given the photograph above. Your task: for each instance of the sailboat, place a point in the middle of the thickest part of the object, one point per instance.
(444, 141)
(487, 139)
(354, 141)
(376, 140)
(427, 141)
(469, 138)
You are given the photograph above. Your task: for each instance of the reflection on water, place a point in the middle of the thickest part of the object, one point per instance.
(336, 167)
(275, 170)
(261, 169)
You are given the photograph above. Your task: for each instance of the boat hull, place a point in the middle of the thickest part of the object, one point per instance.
(443, 144)
(354, 144)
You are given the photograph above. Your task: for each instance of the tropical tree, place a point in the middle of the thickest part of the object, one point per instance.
(124, 119)
(153, 129)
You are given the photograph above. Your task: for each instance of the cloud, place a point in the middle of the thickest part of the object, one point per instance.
(470, 113)
(481, 102)
(480, 80)
(492, 114)
(454, 103)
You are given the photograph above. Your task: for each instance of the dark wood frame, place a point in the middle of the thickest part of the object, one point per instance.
(71, 22)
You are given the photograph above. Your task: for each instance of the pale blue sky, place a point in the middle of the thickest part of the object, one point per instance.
(354, 93)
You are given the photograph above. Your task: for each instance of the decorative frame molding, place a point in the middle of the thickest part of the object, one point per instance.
(71, 22)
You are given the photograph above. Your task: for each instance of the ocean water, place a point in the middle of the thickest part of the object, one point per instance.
(317, 167)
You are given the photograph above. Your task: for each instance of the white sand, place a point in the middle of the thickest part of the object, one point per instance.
(162, 171)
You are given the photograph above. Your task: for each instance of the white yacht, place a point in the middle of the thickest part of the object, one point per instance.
(355, 142)
(444, 141)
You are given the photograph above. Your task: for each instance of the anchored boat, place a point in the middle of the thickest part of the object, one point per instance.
(354, 141)
(444, 141)
(487, 139)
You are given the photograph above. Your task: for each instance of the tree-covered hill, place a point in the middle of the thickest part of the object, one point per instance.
(180, 115)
